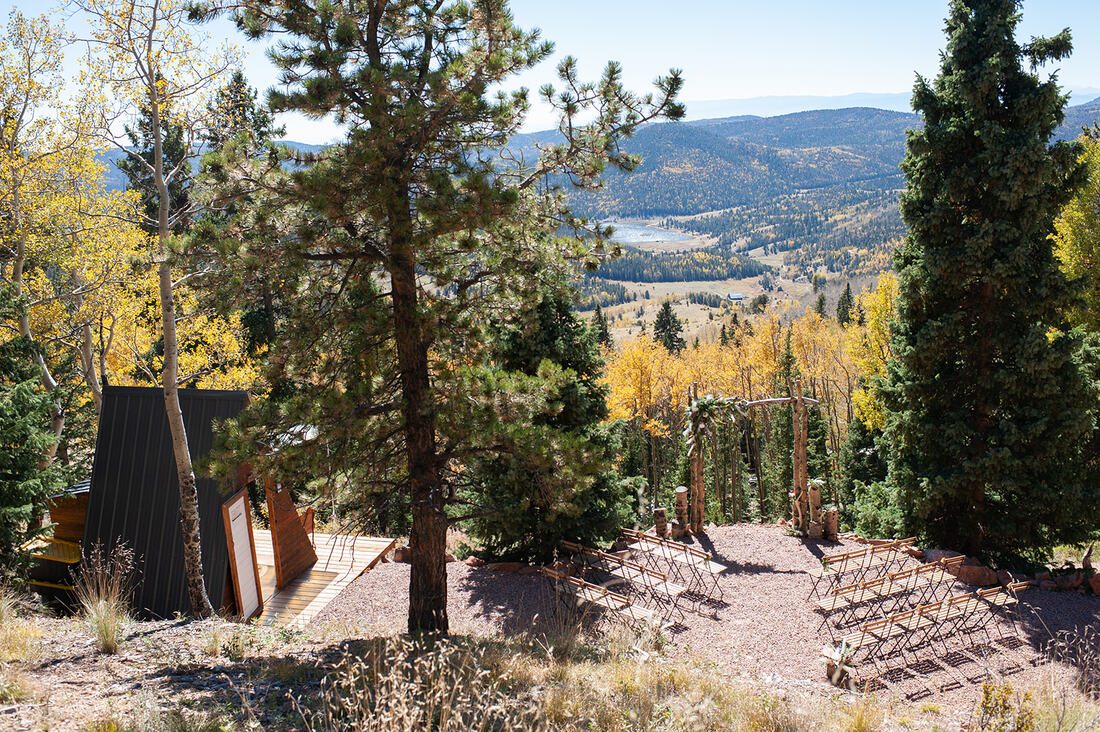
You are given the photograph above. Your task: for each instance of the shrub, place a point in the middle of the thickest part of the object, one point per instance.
(19, 637)
(103, 589)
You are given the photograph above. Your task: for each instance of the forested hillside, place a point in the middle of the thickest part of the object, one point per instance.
(820, 185)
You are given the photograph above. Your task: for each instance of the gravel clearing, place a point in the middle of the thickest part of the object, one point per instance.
(764, 630)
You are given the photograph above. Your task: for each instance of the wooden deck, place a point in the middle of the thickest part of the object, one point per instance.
(340, 559)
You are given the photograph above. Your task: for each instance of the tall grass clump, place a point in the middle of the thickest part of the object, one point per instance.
(1079, 648)
(406, 686)
(19, 636)
(103, 589)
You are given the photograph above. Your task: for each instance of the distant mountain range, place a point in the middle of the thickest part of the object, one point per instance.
(820, 185)
(771, 106)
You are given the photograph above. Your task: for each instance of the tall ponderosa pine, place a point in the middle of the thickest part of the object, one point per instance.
(989, 409)
(668, 330)
(395, 245)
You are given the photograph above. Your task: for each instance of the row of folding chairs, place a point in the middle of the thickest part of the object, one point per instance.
(576, 593)
(689, 566)
(940, 624)
(855, 603)
(845, 568)
(644, 583)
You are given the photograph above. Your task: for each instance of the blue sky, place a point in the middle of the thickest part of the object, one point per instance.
(736, 49)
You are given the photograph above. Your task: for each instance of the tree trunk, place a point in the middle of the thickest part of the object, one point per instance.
(185, 472)
(428, 537)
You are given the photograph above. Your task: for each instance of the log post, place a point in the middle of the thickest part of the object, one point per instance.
(660, 522)
(697, 508)
(681, 522)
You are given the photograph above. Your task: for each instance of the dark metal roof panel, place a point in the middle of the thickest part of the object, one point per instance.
(135, 495)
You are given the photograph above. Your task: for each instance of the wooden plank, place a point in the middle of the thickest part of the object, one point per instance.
(340, 559)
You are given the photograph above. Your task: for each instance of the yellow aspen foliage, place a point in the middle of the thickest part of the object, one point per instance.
(1077, 240)
(869, 346)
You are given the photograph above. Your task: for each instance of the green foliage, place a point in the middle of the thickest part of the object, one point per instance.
(550, 477)
(668, 330)
(861, 464)
(990, 407)
(25, 485)
(600, 329)
(137, 166)
(634, 265)
(844, 305)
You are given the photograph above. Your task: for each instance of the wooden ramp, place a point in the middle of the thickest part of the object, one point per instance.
(340, 559)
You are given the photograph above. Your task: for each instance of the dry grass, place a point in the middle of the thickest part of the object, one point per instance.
(20, 638)
(103, 592)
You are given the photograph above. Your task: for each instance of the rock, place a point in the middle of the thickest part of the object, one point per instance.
(448, 557)
(1004, 577)
(1094, 584)
(527, 569)
(914, 552)
(402, 554)
(1042, 576)
(976, 574)
(935, 555)
(472, 561)
(1048, 585)
(1069, 582)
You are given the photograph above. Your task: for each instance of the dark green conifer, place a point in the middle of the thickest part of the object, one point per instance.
(601, 329)
(844, 305)
(668, 330)
(989, 408)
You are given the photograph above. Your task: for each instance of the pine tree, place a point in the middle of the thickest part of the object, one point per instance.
(844, 305)
(412, 195)
(723, 336)
(668, 330)
(600, 328)
(988, 409)
(821, 305)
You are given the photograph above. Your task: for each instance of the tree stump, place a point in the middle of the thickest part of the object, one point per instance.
(660, 522)
(681, 511)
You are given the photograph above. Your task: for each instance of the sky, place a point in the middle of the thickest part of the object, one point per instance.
(740, 49)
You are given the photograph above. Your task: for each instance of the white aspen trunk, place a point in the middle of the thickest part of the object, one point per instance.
(185, 472)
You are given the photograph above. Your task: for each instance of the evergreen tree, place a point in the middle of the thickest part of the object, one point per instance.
(138, 168)
(554, 480)
(723, 336)
(844, 305)
(989, 410)
(391, 246)
(821, 305)
(600, 328)
(668, 330)
(27, 478)
(234, 112)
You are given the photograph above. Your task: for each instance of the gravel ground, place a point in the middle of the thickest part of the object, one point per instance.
(765, 629)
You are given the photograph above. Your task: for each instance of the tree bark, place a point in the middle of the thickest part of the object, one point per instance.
(428, 537)
(185, 472)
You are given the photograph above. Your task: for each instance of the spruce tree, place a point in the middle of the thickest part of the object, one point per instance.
(821, 305)
(988, 408)
(668, 330)
(844, 305)
(601, 329)
(555, 478)
(27, 478)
